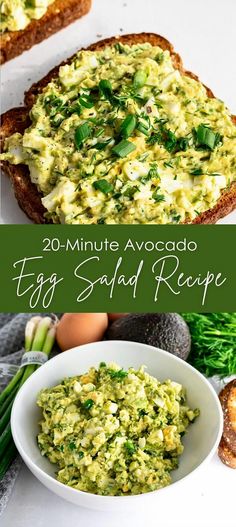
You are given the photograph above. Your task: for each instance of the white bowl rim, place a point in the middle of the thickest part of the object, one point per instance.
(98, 497)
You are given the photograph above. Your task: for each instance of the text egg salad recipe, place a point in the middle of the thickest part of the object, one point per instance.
(121, 137)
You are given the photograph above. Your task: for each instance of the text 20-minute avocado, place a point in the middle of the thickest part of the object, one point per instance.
(122, 137)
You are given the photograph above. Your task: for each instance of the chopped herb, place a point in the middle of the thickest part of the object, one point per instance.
(102, 365)
(119, 47)
(105, 88)
(176, 218)
(103, 185)
(159, 58)
(82, 133)
(119, 207)
(57, 120)
(117, 195)
(167, 164)
(153, 173)
(182, 144)
(123, 148)
(130, 447)
(206, 137)
(143, 128)
(169, 140)
(128, 126)
(72, 446)
(80, 454)
(102, 144)
(130, 191)
(100, 221)
(88, 404)
(99, 132)
(142, 412)
(139, 79)
(158, 197)
(118, 374)
(196, 172)
(86, 101)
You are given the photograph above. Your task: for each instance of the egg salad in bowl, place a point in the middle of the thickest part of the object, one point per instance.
(122, 137)
(114, 432)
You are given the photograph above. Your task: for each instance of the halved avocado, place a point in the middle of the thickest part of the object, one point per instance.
(167, 331)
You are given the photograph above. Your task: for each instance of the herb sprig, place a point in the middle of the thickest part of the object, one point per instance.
(213, 342)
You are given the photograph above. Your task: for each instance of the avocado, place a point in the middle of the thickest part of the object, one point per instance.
(167, 331)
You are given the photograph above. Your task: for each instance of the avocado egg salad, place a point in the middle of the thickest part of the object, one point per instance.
(114, 432)
(121, 137)
(17, 14)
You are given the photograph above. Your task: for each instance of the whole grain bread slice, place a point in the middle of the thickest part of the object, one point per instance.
(227, 398)
(58, 15)
(17, 120)
(226, 455)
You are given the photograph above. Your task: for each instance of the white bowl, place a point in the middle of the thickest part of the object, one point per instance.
(200, 442)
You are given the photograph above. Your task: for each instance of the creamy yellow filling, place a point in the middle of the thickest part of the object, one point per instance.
(17, 14)
(181, 152)
(114, 432)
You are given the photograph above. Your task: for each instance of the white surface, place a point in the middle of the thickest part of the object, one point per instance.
(202, 31)
(209, 502)
(199, 443)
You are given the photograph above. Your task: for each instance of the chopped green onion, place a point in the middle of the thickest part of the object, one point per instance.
(102, 365)
(130, 191)
(196, 172)
(82, 133)
(128, 126)
(105, 88)
(72, 446)
(182, 144)
(39, 336)
(139, 79)
(103, 185)
(86, 101)
(207, 137)
(102, 144)
(176, 218)
(88, 404)
(129, 447)
(143, 127)
(123, 148)
(118, 374)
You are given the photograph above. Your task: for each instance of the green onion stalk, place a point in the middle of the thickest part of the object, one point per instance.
(39, 336)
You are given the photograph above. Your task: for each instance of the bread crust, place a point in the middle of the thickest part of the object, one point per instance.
(227, 398)
(17, 119)
(58, 15)
(226, 455)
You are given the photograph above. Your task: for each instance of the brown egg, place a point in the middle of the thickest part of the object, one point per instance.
(80, 328)
(115, 316)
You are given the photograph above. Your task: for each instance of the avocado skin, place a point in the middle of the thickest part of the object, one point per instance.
(167, 331)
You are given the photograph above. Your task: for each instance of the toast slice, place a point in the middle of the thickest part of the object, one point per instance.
(17, 120)
(226, 455)
(227, 446)
(227, 398)
(59, 14)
